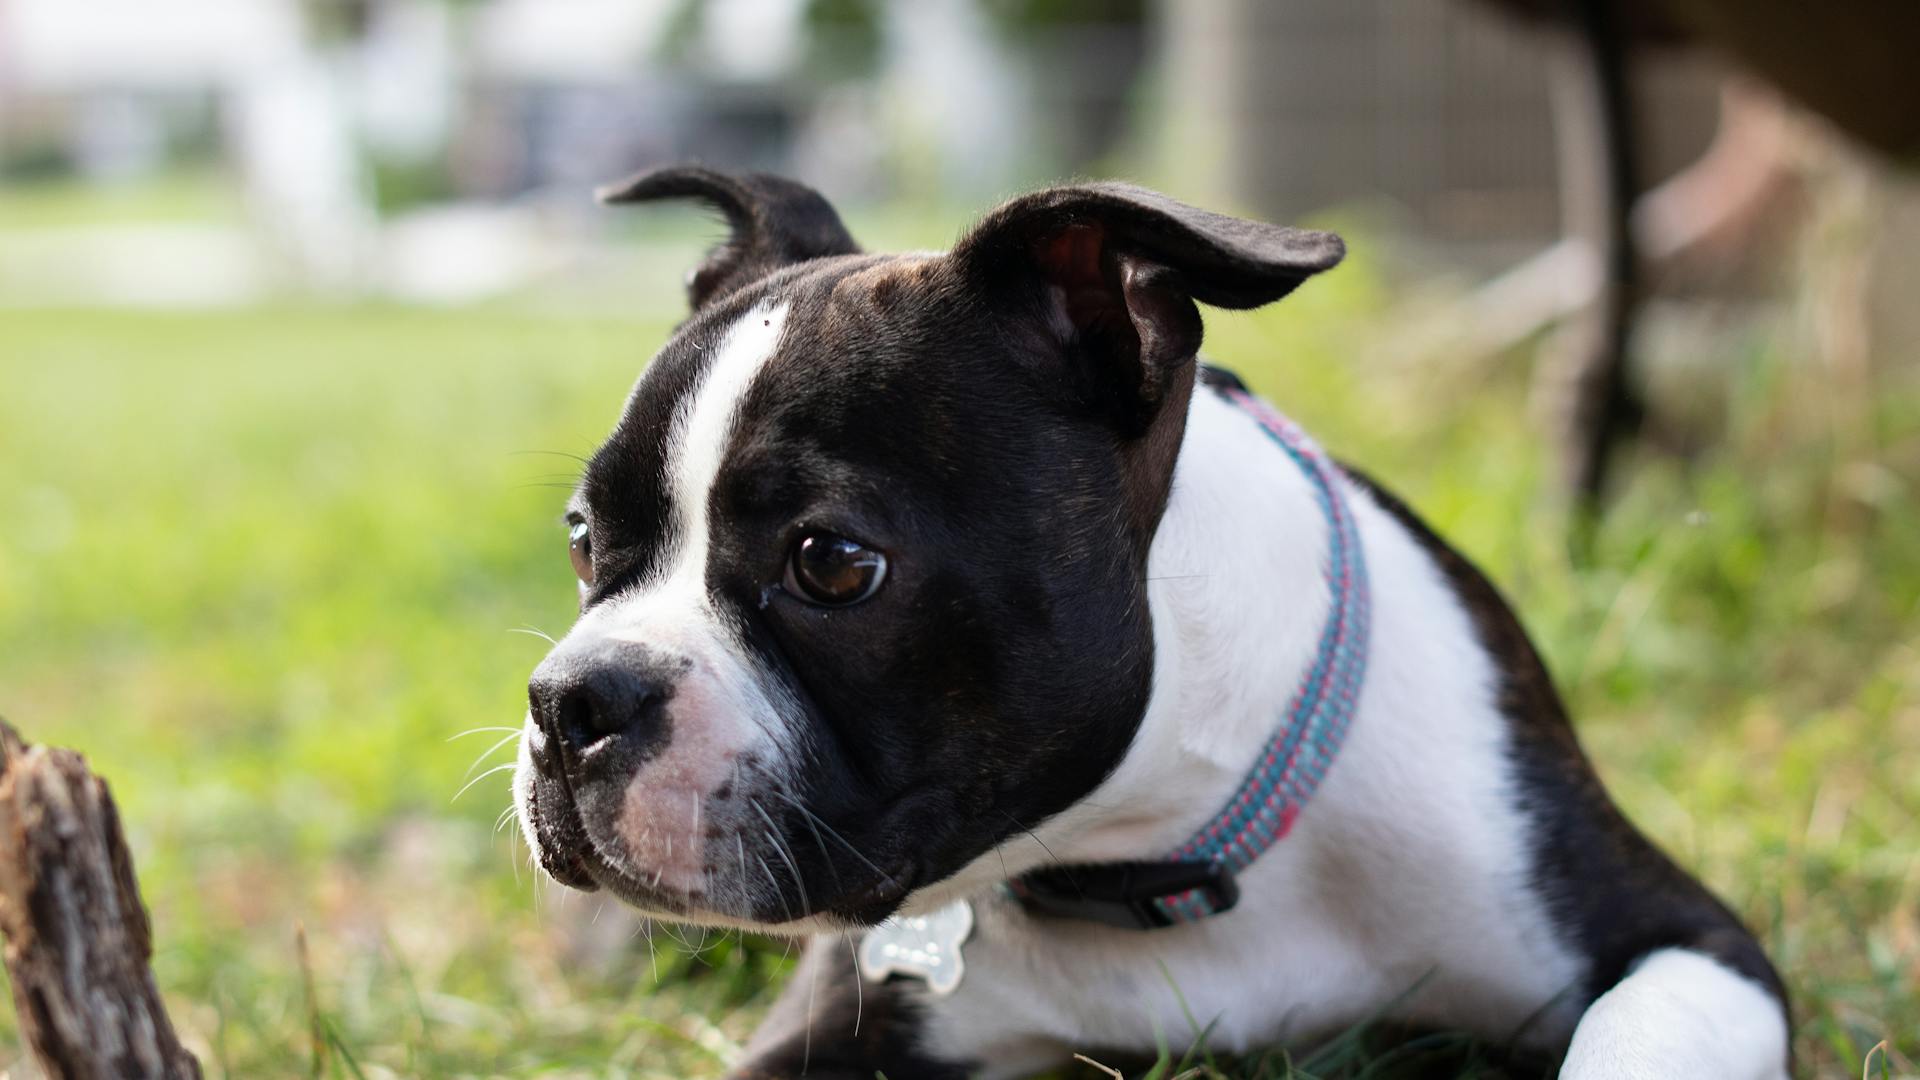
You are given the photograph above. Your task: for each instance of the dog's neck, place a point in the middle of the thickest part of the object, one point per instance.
(1239, 598)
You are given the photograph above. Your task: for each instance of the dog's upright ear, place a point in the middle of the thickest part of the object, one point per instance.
(1107, 275)
(772, 222)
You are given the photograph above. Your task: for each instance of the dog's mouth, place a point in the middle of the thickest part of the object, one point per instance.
(563, 850)
(569, 855)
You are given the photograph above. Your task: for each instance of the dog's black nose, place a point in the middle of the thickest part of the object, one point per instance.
(579, 699)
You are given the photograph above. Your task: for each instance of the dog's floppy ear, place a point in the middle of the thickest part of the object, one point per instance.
(773, 222)
(1110, 273)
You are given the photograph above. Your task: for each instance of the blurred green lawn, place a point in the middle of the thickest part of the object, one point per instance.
(262, 566)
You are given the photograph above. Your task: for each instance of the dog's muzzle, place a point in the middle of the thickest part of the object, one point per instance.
(599, 712)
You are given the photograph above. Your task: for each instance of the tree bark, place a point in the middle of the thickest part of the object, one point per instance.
(78, 939)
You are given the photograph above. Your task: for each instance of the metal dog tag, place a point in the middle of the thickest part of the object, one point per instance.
(925, 947)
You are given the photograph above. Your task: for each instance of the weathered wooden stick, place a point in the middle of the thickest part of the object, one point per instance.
(78, 940)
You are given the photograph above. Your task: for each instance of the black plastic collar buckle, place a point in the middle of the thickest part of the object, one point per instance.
(1123, 894)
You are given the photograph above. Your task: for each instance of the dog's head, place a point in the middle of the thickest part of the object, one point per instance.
(862, 566)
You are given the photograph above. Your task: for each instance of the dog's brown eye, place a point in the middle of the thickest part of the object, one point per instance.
(833, 570)
(580, 550)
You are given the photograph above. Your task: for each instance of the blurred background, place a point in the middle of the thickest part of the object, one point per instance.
(305, 307)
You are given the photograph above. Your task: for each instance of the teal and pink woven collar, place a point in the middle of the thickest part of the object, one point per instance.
(1308, 736)
(1197, 879)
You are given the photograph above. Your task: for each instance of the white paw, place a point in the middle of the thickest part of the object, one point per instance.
(1680, 1015)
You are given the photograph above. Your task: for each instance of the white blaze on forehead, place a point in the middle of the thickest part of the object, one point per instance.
(703, 425)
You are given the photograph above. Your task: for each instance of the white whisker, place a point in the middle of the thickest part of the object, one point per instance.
(813, 983)
(780, 849)
(489, 752)
(859, 991)
(835, 833)
(478, 731)
(779, 893)
(653, 954)
(502, 767)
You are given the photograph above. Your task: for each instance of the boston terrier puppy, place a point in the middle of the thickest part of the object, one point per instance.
(943, 609)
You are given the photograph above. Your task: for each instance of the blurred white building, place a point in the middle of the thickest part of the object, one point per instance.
(478, 128)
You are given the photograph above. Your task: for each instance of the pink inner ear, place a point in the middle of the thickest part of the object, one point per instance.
(1071, 260)
(1072, 256)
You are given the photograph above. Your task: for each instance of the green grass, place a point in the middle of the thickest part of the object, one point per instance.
(260, 566)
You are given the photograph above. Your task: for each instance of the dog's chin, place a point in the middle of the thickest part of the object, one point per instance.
(572, 861)
(775, 916)
(586, 870)
(569, 868)
(569, 854)
(872, 903)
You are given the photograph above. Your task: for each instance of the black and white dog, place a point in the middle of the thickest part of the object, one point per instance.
(943, 609)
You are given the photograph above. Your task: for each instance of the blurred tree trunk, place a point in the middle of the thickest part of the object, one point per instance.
(1600, 179)
(1851, 63)
(78, 939)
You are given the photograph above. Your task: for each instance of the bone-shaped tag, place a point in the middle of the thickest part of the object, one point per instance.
(925, 947)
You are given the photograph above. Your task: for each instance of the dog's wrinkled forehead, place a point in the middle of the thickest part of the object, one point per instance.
(761, 384)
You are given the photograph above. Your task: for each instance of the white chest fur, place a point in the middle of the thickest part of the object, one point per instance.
(1406, 870)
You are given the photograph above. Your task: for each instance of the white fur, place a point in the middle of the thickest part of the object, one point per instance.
(1680, 1013)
